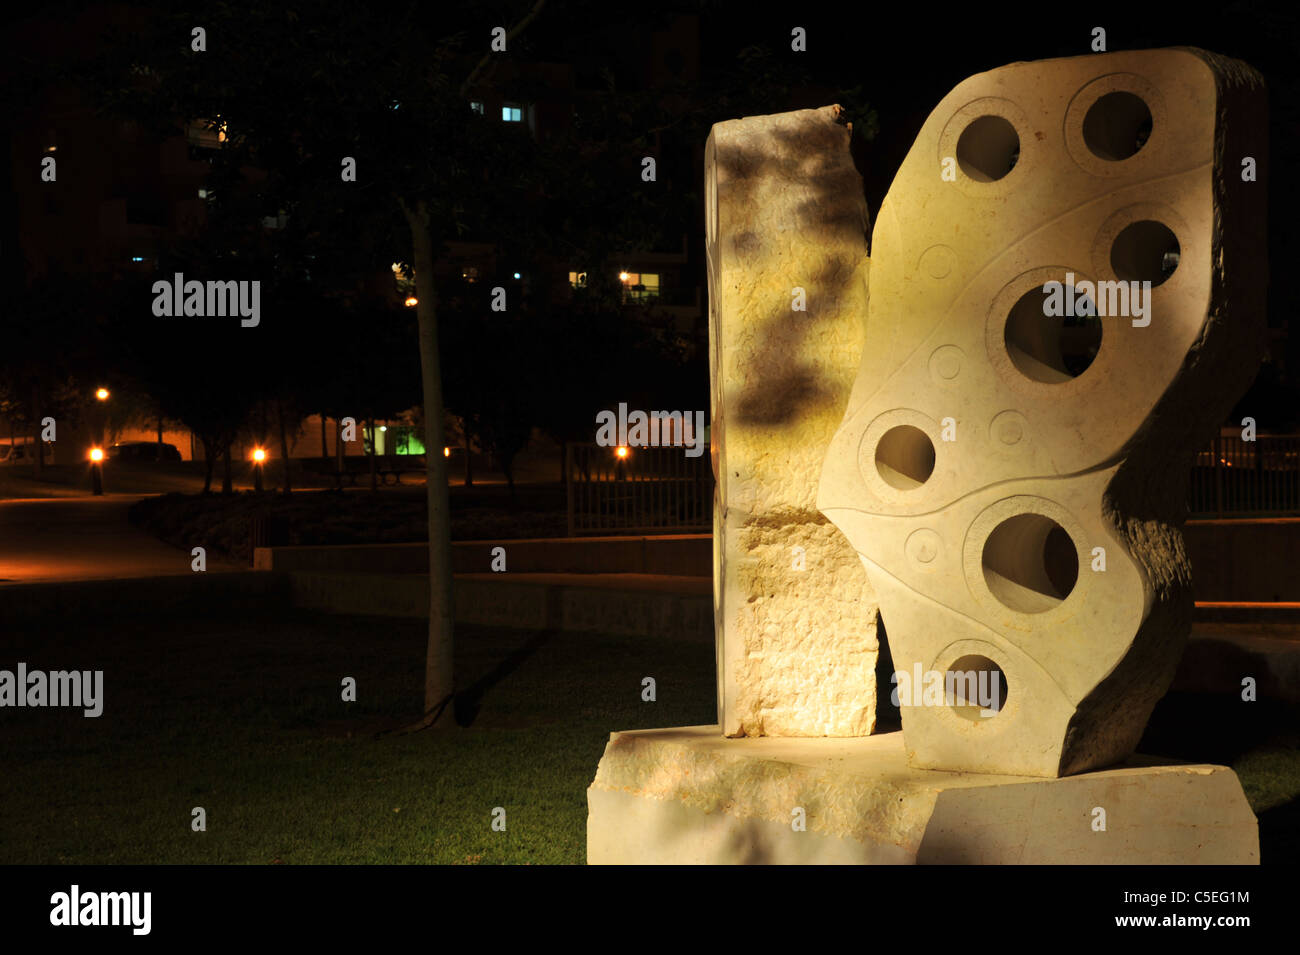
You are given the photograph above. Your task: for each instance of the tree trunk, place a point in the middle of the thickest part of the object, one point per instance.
(374, 455)
(439, 682)
(38, 446)
(284, 445)
(227, 485)
(338, 451)
(469, 454)
(508, 468)
(209, 461)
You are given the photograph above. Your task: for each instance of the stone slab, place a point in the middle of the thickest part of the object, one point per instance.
(688, 796)
(786, 227)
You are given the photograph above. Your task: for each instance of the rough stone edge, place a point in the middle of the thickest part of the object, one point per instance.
(1145, 502)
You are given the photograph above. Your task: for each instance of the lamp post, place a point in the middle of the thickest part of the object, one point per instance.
(97, 452)
(259, 459)
(96, 471)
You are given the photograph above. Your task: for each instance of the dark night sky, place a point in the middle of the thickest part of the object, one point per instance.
(909, 58)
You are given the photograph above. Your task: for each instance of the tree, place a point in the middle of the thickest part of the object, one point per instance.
(389, 99)
(362, 130)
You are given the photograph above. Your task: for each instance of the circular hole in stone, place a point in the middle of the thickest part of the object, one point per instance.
(988, 149)
(1145, 251)
(1052, 348)
(1030, 563)
(905, 457)
(1117, 126)
(975, 685)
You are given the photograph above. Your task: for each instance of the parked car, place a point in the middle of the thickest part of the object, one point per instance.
(143, 451)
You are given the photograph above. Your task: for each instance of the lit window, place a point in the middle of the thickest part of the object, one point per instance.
(476, 107)
(578, 279)
(203, 193)
(640, 286)
(511, 114)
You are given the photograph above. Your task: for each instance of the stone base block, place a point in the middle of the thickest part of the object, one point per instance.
(689, 796)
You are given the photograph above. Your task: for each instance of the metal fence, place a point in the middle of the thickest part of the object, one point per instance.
(661, 489)
(646, 490)
(1236, 477)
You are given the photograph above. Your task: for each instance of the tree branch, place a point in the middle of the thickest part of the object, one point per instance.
(514, 31)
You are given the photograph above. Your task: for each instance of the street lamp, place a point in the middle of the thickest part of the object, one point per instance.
(101, 395)
(96, 471)
(259, 458)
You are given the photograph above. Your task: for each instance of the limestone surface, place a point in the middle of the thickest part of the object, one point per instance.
(1012, 465)
(688, 796)
(786, 240)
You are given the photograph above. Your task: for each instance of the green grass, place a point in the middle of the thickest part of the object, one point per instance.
(247, 721)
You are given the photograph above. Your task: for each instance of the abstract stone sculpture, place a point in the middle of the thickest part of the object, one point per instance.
(1012, 482)
(786, 227)
(1015, 481)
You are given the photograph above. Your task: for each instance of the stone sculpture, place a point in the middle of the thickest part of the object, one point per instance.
(1010, 468)
(1013, 477)
(786, 239)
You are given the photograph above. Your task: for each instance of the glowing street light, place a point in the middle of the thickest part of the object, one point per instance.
(102, 394)
(622, 452)
(623, 276)
(259, 458)
(446, 452)
(96, 471)
(412, 302)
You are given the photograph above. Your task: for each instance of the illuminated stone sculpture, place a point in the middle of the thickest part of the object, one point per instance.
(1013, 477)
(1011, 469)
(786, 238)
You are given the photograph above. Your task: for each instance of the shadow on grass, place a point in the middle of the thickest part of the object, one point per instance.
(470, 700)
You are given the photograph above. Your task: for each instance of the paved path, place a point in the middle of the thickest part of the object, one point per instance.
(83, 538)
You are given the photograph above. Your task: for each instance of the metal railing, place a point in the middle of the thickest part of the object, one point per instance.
(661, 489)
(651, 489)
(1237, 477)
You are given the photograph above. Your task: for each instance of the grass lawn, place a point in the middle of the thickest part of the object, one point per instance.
(244, 718)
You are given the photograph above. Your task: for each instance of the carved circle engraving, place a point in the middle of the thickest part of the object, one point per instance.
(923, 547)
(945, 363)
(938, 261)
(1008, 428)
